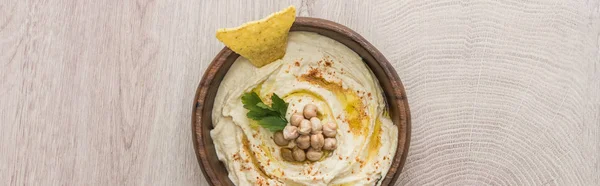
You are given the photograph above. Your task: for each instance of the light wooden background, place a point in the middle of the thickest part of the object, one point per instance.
(100, 92)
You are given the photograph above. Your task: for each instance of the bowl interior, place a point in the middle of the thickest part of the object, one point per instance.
(215, 171)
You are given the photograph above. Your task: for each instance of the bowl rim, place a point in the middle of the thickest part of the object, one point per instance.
(398, 96)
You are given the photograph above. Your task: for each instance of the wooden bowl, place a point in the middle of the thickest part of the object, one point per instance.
(215, 171)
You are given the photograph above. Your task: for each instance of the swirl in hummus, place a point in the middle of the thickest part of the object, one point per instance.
(317, 70)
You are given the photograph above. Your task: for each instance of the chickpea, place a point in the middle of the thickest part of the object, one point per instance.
(299, 154)
(279, 139)
(287, 154)
(303, 142)
(305, 127)
(290, 132)
(316, 141)
(316, 125)
(330, 129)
(330, 144)
(313, 154)
(310, 111)
(296, 119)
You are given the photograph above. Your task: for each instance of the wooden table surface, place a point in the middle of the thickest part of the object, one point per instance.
(100, 92)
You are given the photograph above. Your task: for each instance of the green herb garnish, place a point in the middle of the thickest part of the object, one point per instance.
(269, 117)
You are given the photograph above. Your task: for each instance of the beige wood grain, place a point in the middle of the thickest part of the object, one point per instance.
(100, 92)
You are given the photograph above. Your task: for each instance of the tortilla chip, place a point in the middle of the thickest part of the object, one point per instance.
(262, 41)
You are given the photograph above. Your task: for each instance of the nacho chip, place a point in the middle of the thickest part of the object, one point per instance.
(262, 41)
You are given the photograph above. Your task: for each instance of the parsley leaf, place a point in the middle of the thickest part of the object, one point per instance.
(250, 100)
(273, 123)
(254, 115)
(279, 105)
(269, 117)
(263, 106)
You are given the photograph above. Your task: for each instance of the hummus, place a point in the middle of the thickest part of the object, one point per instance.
(317, 70)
